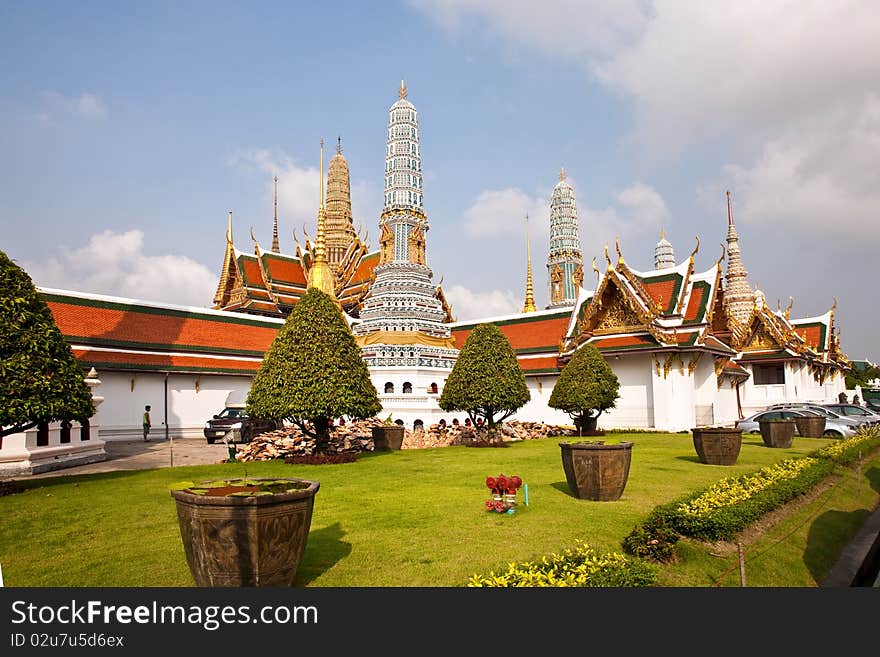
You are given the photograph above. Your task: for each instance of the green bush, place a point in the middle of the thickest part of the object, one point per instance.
(847, 451)
(42, 381)
(586, 387)
(486, 381)
(725, 508)
(313, 372)
(580, 566)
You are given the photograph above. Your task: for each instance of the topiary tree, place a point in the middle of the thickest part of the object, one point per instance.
(585, 386)
(313, 372)
(486, 381)
(40, 378)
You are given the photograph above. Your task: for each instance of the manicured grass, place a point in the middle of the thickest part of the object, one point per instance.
(400, 519)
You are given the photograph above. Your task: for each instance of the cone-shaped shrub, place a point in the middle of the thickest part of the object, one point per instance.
(486, 381)
(40, 378)
(313, 372)
(586, 386)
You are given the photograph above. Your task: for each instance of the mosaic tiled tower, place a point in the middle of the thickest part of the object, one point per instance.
(564, 261)
(402, 319)
(664, 254)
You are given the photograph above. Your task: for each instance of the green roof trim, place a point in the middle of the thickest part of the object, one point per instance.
(701, 310)
(676, 290)
(515, 320)
(226, 351)
(822, 335)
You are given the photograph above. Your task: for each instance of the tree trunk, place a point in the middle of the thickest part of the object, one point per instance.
(322, 434)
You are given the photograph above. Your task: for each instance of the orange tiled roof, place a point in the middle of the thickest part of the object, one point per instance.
(129, 324)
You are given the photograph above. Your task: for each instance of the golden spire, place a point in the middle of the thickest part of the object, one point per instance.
(227, 272)
(402, 91)
(662, 233)
(320, 274)
(275, 247)
(529, 306)
(562, 175)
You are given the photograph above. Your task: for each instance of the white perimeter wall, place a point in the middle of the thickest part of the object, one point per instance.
(192, 399)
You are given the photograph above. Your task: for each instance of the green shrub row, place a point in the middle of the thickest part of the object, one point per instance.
(848, 451)
(730, 505)
(580, 566)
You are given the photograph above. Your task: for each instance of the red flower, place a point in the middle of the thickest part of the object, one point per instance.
(515, 482)
(490, 505)
(501, 481)
(499, 507)
(490, 482)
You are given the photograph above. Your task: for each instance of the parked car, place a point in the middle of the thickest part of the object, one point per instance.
(232, 418)
(827, 413)
(833, 428)
(855, 411)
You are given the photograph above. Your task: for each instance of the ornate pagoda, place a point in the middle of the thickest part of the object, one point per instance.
(564, 261)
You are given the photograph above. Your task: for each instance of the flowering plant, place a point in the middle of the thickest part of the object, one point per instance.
(503, 493)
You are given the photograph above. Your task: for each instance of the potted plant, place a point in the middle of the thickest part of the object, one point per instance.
(245, 531)
(777, 432)
(587, 386)
(387, 436)
(717, 445)
(596, 470)
(810, 426)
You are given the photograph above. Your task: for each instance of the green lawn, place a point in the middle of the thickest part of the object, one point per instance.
(414, 518)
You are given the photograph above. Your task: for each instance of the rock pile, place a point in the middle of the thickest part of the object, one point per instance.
(356, 437)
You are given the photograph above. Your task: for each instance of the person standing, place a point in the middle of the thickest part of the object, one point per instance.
(147, 422)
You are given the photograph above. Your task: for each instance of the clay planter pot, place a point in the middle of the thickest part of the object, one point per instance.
(386, 438)
(596, 471)
(246, 541)
(717, 445)
(810, 427)
(777, 433)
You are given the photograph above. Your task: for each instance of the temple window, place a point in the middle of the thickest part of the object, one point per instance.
(418, 425)
(433, 389)
(407, 388)
(389, 388)
(769, 374)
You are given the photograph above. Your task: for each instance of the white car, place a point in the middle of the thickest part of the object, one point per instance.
(833, 428)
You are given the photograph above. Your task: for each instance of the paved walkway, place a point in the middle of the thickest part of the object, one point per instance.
(138, 455)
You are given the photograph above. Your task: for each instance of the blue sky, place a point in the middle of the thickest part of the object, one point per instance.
(128, 130)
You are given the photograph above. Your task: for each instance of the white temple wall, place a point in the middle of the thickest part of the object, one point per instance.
(674, 394)
(537, 409)
(799, 386)
(635, 406)
(192, 399)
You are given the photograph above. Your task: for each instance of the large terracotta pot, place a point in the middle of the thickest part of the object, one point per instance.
(717, 445)
(387, 437)
(246, 541)
(812, 426)
(777, 433)
(595, 470)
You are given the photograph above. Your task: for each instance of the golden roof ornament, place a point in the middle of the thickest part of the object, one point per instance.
(608, 258)
(275, 246)
(619, 254)
(562, 174)
(402, 90)
(320, 275)
(529, 306)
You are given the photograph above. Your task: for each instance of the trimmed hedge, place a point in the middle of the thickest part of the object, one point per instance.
(580, 566)
(730, 505)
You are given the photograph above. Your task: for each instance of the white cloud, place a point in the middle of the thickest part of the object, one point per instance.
(818, 173)
(115, 264)
(503, 212)
(86, 105)
(638, 209)
(467, 304)
(561, 27)
(299, 190)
